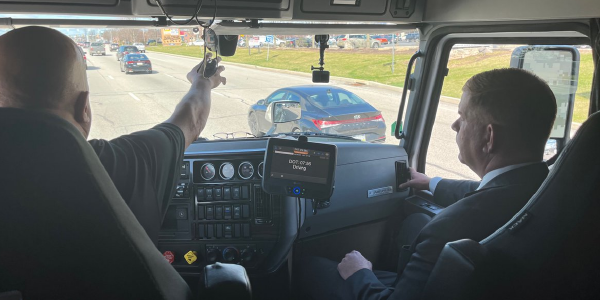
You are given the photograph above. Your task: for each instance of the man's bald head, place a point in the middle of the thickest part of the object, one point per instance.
(42, 69)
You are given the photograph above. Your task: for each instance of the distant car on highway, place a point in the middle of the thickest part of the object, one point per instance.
(133, 63)
(151, 41)
(124, 50)
(196, 43)
(97, 48)
(299, 42)
(325, 109)
(352, 41)
(84, 57)
(383, 39)
(114, 47)
(140, 47)
(412, 37)
(331, 41)
(86, 44)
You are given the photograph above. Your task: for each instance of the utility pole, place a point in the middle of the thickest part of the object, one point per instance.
(248, 44)
(393, 50)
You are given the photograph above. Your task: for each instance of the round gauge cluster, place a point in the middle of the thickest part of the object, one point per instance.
(208, 171)
(246, 170)
(227, 171)
(261, 170)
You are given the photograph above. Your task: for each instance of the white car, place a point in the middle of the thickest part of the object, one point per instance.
(196, 43)
(140, 47)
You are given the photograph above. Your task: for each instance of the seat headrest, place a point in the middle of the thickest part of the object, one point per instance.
(66, 232)
(553, 242)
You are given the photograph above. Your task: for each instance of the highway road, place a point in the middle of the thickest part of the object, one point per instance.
(123, 103)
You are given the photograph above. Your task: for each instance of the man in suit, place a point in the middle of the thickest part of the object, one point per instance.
(505, 119)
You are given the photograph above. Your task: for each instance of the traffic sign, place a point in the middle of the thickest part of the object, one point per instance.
(269, 39)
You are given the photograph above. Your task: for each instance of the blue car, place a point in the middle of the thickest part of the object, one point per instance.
(325, 109)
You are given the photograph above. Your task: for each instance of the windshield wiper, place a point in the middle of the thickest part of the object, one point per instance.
(233, 135)
(320, 134)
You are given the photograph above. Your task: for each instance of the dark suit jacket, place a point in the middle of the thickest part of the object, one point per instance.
(470, 215)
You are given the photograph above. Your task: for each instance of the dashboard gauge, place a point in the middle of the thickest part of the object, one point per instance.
(227, 171)
(208, 171)
(246, 170)
(260, 169)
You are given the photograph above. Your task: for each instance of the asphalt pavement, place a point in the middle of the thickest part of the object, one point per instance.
(124, 104)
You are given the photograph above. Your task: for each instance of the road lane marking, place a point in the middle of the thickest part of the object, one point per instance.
(134, 97)
(219, 94)
(170, 75)
(110, 77)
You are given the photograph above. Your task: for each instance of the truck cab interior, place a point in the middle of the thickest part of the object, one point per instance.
(221, 212)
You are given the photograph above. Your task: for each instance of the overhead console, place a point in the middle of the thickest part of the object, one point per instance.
(360, 10)
(241, 9)
(330, 10)
(98, 7)
(391, 11)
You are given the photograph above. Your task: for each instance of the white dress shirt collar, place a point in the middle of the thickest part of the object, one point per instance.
(495, 173)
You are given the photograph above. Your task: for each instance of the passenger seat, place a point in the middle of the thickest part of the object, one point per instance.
(549, 250)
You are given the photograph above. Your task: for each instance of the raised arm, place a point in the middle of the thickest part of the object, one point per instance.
(191, 114)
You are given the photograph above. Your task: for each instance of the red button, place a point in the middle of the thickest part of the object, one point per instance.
(169, 256)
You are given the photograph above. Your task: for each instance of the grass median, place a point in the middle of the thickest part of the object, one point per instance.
(376, 65)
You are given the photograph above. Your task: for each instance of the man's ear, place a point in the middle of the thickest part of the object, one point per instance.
(490, 135)
(82, 111)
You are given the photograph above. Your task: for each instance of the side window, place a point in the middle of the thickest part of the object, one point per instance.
(468, 60)
(294, 97)
(275, 96)
(349, 99)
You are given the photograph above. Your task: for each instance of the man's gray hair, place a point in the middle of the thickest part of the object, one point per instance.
(515, 99)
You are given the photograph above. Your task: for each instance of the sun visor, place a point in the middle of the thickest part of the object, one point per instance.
(304, 28)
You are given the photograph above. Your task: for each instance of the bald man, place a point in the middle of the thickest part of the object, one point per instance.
(144, 166)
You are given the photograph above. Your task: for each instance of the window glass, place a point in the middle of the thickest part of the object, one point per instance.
(468, 60)
(346, 98)
(262, 65)
(137, 57)
(276, 96)
(294, 97)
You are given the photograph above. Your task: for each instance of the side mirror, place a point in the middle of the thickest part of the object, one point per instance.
(558, 65)
(283, 111)
(261, 102)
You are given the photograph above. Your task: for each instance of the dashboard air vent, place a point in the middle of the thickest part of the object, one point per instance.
(262, 206)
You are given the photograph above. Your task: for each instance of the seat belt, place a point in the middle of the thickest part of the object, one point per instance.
(403, 258)
(553, 159)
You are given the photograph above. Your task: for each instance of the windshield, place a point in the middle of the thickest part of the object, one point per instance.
(97, 44)
(136, 57)
(130, 49)
(360, 101)
(327, 97)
